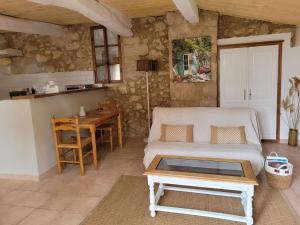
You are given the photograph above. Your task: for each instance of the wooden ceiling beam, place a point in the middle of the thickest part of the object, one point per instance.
(188, 9)
(12, 24)
(97, 12)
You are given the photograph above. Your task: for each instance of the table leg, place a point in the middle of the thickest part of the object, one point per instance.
(249, 210)
(94, 146)
(161, 189)
(120, 139)
(247, 203)
(152, 199)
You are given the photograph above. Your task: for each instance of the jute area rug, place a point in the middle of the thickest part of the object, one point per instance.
(128, 202)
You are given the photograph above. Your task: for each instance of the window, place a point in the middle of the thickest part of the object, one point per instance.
(106, 48)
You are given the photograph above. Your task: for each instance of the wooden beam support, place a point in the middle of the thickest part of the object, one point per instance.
(298, 36)
(13, 24)
(97, 12)
(188, 9)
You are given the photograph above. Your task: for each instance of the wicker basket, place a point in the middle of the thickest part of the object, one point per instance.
(280, 182)
(279, 177)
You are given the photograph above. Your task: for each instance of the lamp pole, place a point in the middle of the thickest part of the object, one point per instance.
(148, 100)
(147, 65)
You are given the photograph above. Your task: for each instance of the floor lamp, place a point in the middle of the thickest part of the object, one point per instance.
(147, 65)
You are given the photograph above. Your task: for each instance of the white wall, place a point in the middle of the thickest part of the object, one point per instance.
(26, 142)
(20, 81)
(17, 144)
(291, 67)
(290, 64)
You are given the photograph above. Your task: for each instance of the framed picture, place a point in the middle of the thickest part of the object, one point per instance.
(191, 59)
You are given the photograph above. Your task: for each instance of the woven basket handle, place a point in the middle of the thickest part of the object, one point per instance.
(273, 154)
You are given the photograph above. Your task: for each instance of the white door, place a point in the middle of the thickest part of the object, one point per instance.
(233, 77)
(262, 92)
(248, 78)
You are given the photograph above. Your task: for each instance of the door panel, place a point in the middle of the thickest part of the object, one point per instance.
(262, 93)
(254, 70)
(233, 77)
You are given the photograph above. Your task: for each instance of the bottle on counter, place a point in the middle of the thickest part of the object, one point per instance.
(82, 111)
(33, 91)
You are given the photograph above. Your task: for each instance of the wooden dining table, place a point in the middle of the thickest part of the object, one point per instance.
(95, 118)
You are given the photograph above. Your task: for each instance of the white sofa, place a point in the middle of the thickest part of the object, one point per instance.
(202, 118)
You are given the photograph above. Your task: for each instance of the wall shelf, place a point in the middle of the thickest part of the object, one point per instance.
(54, 94)
(10, 52)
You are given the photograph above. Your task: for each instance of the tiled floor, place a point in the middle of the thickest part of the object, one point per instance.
(67, 199)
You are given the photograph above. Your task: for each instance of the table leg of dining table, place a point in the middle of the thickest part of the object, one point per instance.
(94, 146)
(120, 139)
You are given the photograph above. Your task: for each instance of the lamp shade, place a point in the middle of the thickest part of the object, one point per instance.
(146, 65)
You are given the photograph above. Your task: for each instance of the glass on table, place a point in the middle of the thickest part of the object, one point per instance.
(201, 166)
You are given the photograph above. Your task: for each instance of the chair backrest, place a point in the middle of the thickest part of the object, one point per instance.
(65, 124)
(108, 106)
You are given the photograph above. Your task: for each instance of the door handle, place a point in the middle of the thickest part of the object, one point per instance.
(244, 94)
(250, 94)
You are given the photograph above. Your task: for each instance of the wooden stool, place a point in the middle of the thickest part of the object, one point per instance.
(74, 144)
(108, 127)
(104, 130)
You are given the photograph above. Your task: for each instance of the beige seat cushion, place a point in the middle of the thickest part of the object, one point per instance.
(177, 133)
(228, 135)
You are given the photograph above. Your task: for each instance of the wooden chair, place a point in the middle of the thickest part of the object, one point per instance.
(64, 143)
(106, 130)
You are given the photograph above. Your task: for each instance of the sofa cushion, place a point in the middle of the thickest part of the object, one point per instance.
(228, 135)
(177, 133)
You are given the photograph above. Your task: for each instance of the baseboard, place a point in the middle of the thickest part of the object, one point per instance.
(19, 177)
(281, 141)
(52, 170)
(285, 141)
(269, 140)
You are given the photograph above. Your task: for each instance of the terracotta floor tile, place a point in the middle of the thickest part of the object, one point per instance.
(15, 197)
(30, 186)
(82, 205)
(67, 219)
(59, 202)
(13, 214)
(35, 200)
(53, 186)
(8, 184)
(40, 217)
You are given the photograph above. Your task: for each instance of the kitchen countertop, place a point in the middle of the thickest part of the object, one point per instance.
(54, 94)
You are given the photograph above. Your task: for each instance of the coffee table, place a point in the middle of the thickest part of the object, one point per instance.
(210, 174)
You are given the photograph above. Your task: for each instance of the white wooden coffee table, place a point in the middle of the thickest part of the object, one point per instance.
(220, 174)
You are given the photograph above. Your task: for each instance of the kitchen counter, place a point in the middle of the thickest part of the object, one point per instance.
(27, 148)
(54, 94)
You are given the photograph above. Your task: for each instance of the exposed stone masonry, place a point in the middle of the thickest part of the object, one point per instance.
(52, 54)
(230, 26)
(150, 40)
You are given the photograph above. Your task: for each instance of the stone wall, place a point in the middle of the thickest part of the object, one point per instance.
(230, 26)
(52, 54)
(194, 94)
(4, 62)
(150, 40)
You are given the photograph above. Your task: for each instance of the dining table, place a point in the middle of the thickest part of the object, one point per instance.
(95, 118)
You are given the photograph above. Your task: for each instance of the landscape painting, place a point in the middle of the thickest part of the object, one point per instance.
(191, 59)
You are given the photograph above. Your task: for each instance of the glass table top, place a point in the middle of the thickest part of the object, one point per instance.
(201, 166)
